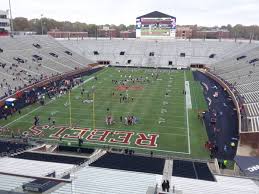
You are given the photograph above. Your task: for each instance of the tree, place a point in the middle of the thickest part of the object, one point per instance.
(131, 27)
(91, 29)
(122, 27)
(21, 24)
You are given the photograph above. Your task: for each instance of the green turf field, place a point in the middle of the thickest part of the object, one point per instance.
(167, 119)
(155, 32)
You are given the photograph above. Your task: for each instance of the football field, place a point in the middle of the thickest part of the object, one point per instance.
(140, 109)
(154, 31)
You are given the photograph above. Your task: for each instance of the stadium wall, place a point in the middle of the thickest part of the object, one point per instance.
(251, 139)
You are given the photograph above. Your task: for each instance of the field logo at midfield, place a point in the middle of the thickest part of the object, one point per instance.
(101, 136)
(124, 88)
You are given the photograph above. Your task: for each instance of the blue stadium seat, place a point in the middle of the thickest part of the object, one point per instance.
(184, 169)
(131, 163)
(51, 158)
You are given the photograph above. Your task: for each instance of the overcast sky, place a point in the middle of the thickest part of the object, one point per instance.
(201, 12)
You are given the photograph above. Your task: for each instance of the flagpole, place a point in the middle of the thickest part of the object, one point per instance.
(11, 18)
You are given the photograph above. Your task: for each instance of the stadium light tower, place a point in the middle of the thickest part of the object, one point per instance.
(11, 17)
(41, 24)
(96, 32)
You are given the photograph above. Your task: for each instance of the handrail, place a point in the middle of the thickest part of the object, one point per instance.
(60, 180)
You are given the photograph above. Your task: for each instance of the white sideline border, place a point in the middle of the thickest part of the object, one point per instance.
(187, 115)
(19, 118)
(188, 95)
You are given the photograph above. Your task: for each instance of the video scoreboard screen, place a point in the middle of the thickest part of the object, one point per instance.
(156, 26)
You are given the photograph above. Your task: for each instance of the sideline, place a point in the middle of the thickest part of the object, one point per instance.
(19, 118)
(187, 116)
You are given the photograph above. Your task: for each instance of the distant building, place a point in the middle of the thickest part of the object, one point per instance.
(4, 23)
(183, 32)
(107, 32)
(24, 33)
(128, 34)
(60, 34)
(155, 25)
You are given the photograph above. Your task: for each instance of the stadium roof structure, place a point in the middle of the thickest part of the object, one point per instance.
(155, 14)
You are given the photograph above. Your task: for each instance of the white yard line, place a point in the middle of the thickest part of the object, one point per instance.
(188, 95)
(19, 118)
(187, 119)
(89, 79)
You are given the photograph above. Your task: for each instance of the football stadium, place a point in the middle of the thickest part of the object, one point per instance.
(153, 114)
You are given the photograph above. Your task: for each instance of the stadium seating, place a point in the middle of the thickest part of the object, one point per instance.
(251, 97)
(27, 60)
(96, 180)
(75, 149)
(131, 163)
(243, 74)
(41, 185)
(51, 158)
(253, 109)
(203, 172)
(19, 67)
(32, 167)
(194, 170)
(138, 50)
(102, 180)
(227, 185)
(8, 183)
(7, 147)
(184, 169)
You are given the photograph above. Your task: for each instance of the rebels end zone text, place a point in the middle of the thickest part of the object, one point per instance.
(98, 135)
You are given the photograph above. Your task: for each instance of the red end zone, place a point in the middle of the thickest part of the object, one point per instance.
(101, 136)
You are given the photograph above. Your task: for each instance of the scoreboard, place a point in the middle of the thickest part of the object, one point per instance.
(156, 27)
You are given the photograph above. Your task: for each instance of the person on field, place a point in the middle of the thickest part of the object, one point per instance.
(125, 120)
(36, 120)
(109, 120)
